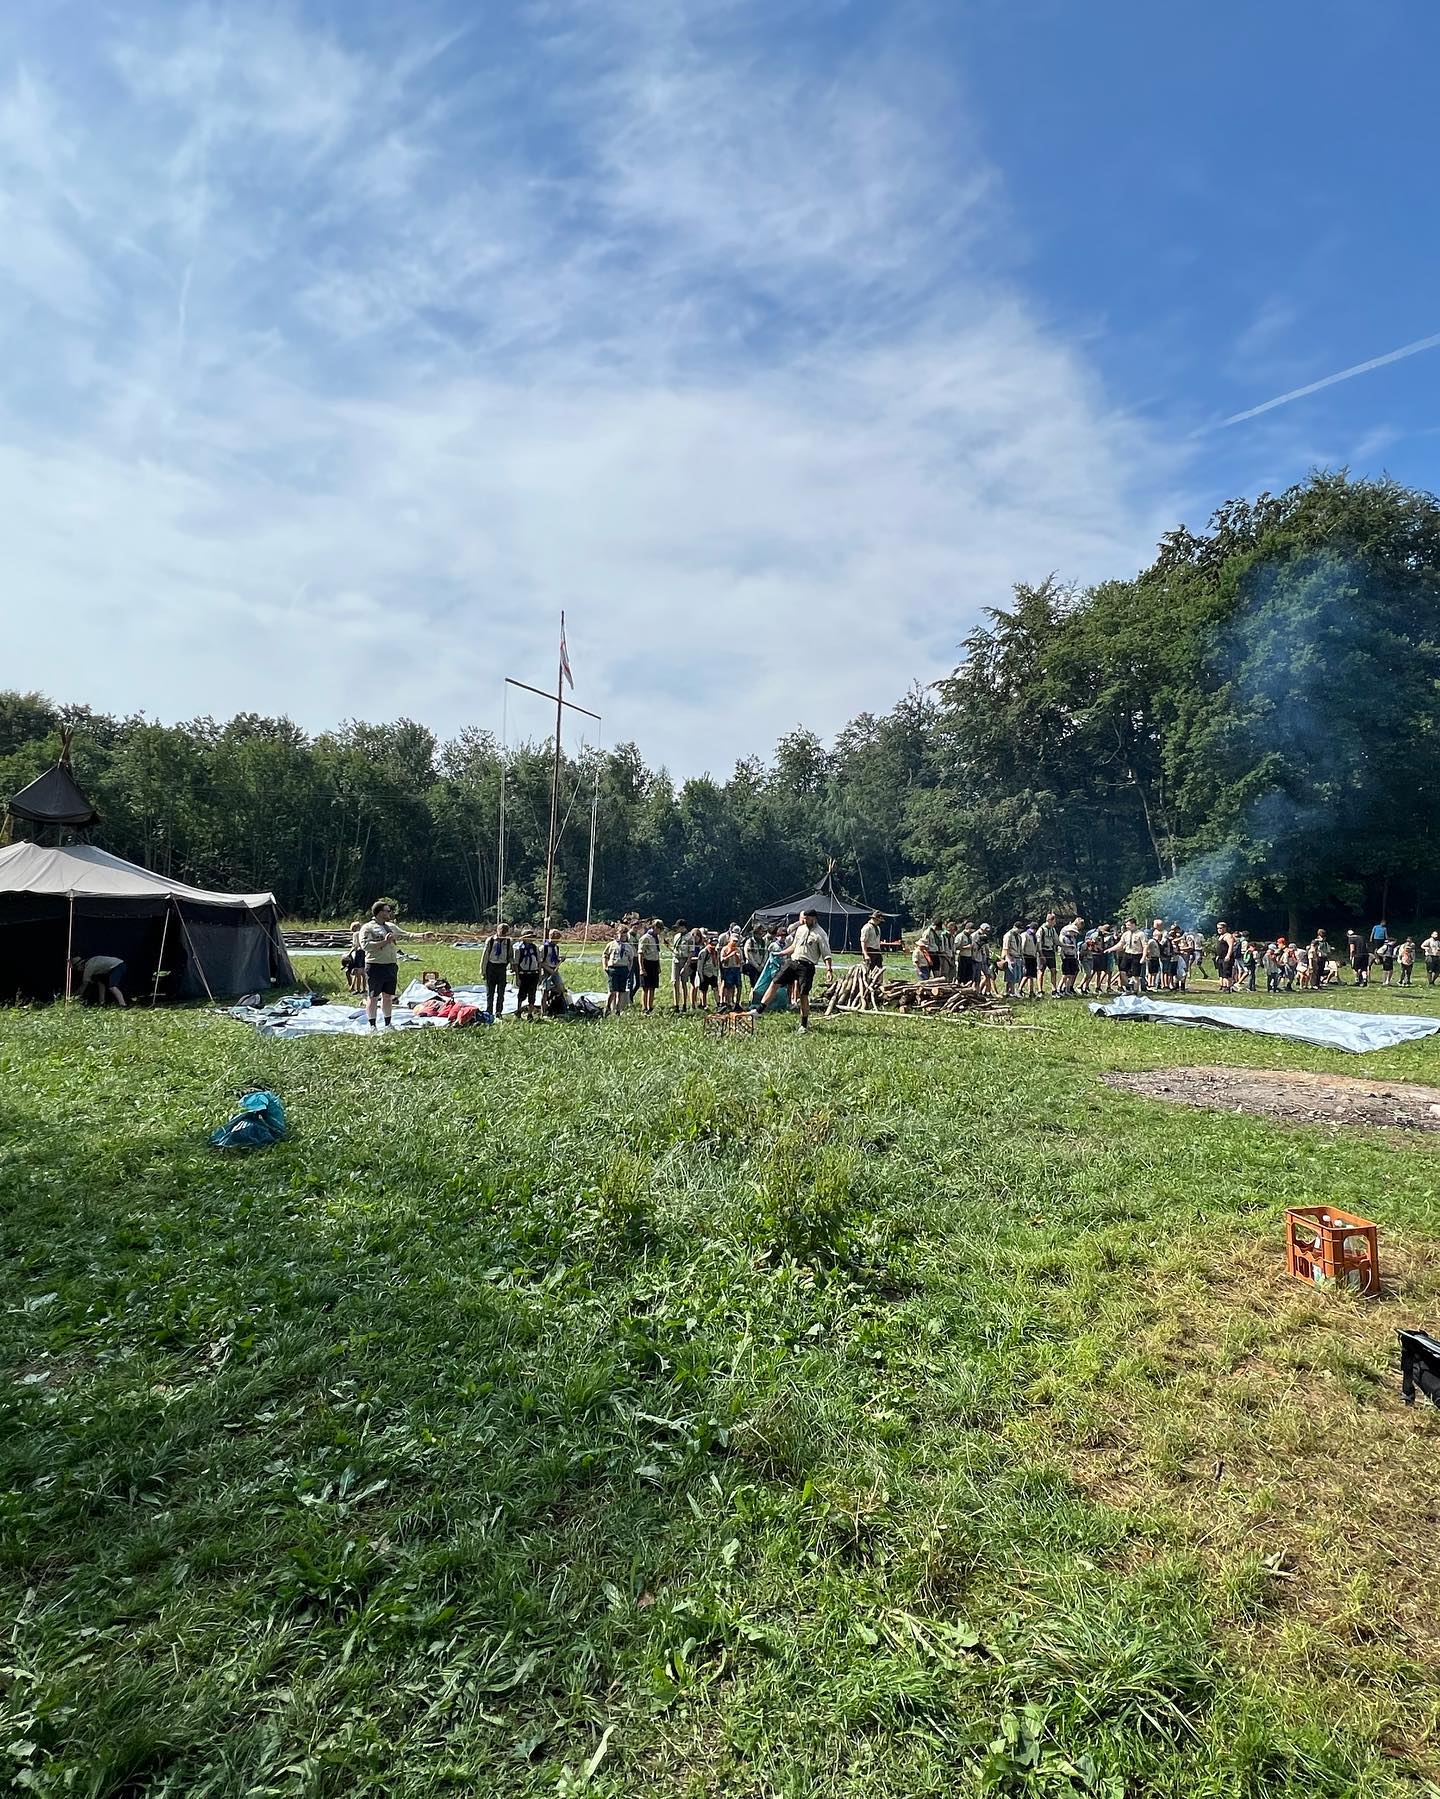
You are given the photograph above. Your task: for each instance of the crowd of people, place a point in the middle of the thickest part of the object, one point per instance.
(749, 967)
(718, 966)
(1032, 958)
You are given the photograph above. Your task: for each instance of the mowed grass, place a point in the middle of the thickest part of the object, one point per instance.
(610, 1408)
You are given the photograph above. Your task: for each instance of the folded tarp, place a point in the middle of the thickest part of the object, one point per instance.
(1357, 1031)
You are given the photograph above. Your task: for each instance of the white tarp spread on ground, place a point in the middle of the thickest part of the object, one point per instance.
(286, 1018)
(346, 1019)
(1329, 1029)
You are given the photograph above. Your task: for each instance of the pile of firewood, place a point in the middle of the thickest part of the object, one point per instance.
(315, 939)
(867, 990)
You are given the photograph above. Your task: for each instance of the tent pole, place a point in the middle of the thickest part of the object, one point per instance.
(70, 950)
(160, 965)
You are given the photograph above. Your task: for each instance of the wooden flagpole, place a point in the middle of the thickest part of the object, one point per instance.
(555, 777)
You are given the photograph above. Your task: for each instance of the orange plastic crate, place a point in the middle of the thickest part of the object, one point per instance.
(1330, 1247)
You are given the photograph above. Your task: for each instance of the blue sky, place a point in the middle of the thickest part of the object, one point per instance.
(346, 343)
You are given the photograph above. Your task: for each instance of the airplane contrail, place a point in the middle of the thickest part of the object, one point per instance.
(1360, 368)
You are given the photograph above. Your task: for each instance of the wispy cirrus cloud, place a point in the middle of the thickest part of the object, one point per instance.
(357, 359)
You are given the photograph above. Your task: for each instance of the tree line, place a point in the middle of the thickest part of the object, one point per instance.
(1250, 725)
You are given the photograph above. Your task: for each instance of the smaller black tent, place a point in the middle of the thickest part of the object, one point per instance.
(53, 800)
(838, 918)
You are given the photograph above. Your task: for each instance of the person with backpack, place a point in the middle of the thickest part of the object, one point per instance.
(1047, 942)
(648, 957)
(1030, 962)
(528, 962)
(1010, 959)
(498, 954)
(1070, 941)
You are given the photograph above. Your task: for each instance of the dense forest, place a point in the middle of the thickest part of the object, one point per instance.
(1251, 724)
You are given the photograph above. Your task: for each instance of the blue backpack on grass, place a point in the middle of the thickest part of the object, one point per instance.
(260, 1121)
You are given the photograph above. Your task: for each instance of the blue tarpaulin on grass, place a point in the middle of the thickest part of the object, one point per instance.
(1329, 1029)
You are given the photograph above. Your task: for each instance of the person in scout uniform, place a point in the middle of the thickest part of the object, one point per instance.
(1047, 940)
(498, 954)
(808, 947)
(929, 952)
(619, 955)
(380, 938)
(706, 970)
(682, 955)
(870, 941)
(649, 958)
(528, 963)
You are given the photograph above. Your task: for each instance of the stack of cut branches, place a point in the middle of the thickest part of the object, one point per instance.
(867, 990)
(315, 939)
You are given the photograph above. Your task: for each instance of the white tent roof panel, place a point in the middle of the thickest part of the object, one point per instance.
(85, 872)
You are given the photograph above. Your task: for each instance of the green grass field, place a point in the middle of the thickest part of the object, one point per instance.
(606, 1408)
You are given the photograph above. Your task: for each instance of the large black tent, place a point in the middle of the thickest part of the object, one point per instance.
(838, 918)
(81, 901)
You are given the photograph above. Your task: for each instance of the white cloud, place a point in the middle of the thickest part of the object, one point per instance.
(716, 362)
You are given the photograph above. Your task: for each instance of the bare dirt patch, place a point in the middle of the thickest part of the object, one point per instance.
(1290, 1097)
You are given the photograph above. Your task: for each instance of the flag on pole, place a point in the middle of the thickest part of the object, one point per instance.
(565, 654)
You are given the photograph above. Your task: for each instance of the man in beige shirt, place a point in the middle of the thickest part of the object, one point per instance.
(808, 946)
(379, 938)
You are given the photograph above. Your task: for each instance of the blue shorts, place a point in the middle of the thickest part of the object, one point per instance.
(619, 980)
(731, 976)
